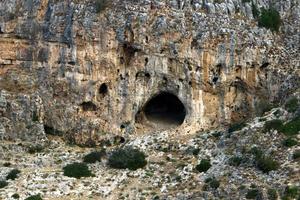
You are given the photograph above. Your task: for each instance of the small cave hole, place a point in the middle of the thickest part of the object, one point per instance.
(215, 79)
(165, 109)
(88, 106)
(264, 65)
(103, 89)
(146, 61)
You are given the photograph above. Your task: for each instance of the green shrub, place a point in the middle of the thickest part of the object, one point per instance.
(252, 194)
(93, 157)
(127, 158)
(236, 127)
(272, 194)
(77, 170)
(35, 149)
(246, 1)
(13, 174)
(34, 197)
(255, 11)
(15, 196)
(257, 152)
(7, 164)
(266, 164)
(291, 192)
(292, 104)
(235, 161)
(291, 128)
(270, 19)
(101, 5)
(262, 107)
(214, 183)
(3, 184)
(275, 124)
(289, 142)
(203, 166)
(296, 155)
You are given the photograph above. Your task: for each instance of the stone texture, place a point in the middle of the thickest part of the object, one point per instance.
(54, 56)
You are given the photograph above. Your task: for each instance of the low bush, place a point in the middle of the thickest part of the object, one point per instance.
(291, 192)
(15, 196)
(252, 194)
(266, 164)
(34, 197)
(77, 170)
(235, 161)
(270, 19)
(3, 184)
(35, 149)
(272, 194)
(289, 142)
(203, 166)
(296, 155)
(291, 128)
(13, 174)
(236, 127)
(262, 107)
(101, 5)
(275, 124)
(127, 158)
(94, 156)
(255, 11)
(292, 104)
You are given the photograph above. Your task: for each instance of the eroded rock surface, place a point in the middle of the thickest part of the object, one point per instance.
(68, 70)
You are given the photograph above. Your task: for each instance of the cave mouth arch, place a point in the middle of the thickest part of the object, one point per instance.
(165, 109)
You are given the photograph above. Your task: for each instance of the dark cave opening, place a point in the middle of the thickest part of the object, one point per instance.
(165, 108)
(103, 89)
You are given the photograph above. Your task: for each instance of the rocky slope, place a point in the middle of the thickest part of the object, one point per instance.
(104, 74)
(171, 171)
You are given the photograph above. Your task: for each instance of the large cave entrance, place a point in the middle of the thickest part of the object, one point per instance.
(165, 109)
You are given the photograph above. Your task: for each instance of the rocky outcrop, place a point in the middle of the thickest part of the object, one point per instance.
(57, 56)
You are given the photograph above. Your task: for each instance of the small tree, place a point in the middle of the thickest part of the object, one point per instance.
(270, 19)
(77, 170)
(127, 158)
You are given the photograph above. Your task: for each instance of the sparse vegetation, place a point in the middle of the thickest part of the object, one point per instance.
(275, 124)
(270, 19)
(266, 164)
(296, 155)
(255, 11)
(3, 184)
(101, 5)
(289, 142)
(15, 196)
(236, 127)
(291, 128)
(35, 148)
(7, 164)
(127, 158)
(13, 174)
(262, 107)
(272, 194)
(34, 197)
(292, 104)
(203, 166)
(77, 170)
(235, 161)
(252, 193)
(94, 156)
(291, 192)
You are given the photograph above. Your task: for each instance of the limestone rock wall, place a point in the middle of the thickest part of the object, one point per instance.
(55, 56)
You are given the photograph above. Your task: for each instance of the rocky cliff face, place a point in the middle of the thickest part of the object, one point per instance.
(66, 69)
